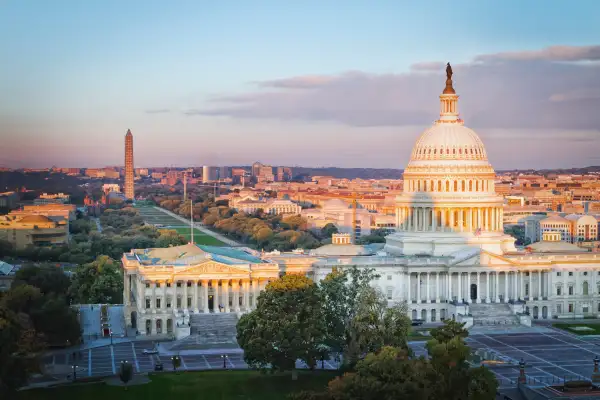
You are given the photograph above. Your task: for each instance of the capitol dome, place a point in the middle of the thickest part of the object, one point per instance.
(449, 199)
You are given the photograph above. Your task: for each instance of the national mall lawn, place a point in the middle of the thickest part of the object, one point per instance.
(206, 385)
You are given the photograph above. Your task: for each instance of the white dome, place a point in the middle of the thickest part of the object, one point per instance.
(449, 141)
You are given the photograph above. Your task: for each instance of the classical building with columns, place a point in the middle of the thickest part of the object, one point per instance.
(449, 257)
(163, 287)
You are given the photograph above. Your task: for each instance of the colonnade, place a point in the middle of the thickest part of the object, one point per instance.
(449, 219)
(204, 295)
(477, 286)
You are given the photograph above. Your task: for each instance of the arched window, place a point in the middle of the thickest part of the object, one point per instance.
(463, 186)
(470, 186)
(455, 186)
(447, 186)
(439, 186)
(434, 151)
(459, 151)
(585, 288)
(447, 151)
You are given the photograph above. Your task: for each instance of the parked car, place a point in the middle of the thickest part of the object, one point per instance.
(158, 366)
(150, 351)
(417, 322)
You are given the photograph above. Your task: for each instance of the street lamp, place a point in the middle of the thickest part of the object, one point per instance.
(111, 339)
(74, 366)
(224, 357)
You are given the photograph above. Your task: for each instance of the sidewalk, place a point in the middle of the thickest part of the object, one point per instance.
(202, 228)
(164, 352)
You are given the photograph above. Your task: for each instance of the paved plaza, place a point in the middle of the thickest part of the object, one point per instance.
(550, 357)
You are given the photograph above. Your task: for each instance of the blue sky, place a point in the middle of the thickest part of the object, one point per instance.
(78, 74)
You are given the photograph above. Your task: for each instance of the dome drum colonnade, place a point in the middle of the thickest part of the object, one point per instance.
(449, 183)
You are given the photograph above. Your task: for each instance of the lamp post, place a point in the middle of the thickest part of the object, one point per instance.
(522, 378)
(596, 373)
(74, 366)
(224, 357)
(111, 339)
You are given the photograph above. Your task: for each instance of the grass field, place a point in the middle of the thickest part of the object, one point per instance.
(209, 385)
(580, 329)
(154, 216)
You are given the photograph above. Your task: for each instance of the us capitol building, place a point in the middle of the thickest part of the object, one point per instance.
(449, 257)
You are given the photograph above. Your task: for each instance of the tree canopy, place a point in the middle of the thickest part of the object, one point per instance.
(287, 325)
(100, 281)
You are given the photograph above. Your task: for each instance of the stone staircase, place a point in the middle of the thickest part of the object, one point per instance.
(492, 314)
(219, 324)
(209, 331)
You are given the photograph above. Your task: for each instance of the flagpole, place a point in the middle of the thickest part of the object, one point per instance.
(191, 222)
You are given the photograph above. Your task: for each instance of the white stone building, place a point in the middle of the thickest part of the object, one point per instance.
(448, 259)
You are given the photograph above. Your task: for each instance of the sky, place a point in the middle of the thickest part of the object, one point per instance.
(310, 83)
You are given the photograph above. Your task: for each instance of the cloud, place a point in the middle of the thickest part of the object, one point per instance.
(552, 53)
(541, 89)
(158, 111)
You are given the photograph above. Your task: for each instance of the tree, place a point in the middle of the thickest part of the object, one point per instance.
(125, 372)
(376, 325)
(100, 281)
(287, 325)
(328, 230)
(341, 290)
(49, 279)
(169, 237)
(57, 321)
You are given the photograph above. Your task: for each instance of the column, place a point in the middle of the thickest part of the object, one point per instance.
(434, 221)
(461, 222)
(153, 301)
(418, 288)
(195, 297)
(185, 295)
(428, 299)
(470, 219)
(205, 294)
(478, 288)
(496, 279)
(437, 288)
(479, 224)
(451, 219)
(226, 295)
(460, 293)
(443, 217)
(255, 293)
(216, 299)
(522, 286)
(235, 287)
(487, 287)
(415, 221)
(449, 283)
(246, 284)
(163, 303)
(401, 286)
(408, 294)
(126, 289)
(506, 273)
(540, 294)
(423, 218)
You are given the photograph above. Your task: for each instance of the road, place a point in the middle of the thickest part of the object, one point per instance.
(201, 228)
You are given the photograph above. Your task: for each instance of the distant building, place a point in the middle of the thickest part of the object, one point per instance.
(224, 173)
(8, 200)
(269, 205)
(58, 198)
(129, 176)
(7, 275)
(33, 230)
(111, 187)
(209, 174)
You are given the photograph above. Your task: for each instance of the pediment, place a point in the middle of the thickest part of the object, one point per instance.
(213, 267)
(474, 260)
(495, 259)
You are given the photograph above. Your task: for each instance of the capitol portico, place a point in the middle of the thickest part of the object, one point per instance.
(449, 257)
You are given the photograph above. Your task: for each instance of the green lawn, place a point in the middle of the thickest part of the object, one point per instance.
(199, 237)
(209, 385)
(594, 329)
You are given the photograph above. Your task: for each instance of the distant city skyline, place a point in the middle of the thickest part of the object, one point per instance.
(298, 84)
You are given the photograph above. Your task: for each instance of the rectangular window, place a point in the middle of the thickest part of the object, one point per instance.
(189, 302)
(558, 290)
(389, 294)
(157, 303)
(147, 303)
(570, 307)
(570, 274)
(559, 308)
(389, 277)
(570, 290)
(168, 284)
(585, 310)
(147, 284)
(179, 302)
(189, 284)
(157, 284)
(178, 284)
(558, 274)
(168, 302)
